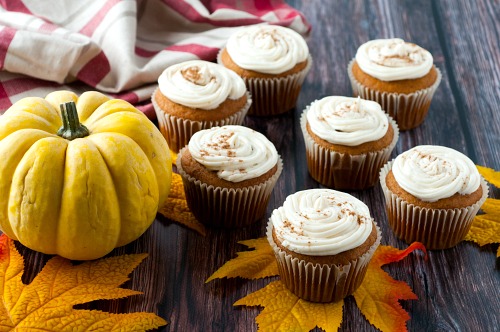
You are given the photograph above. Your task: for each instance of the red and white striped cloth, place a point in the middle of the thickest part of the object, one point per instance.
(119, 47)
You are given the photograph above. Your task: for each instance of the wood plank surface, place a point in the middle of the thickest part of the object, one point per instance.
(458, 288)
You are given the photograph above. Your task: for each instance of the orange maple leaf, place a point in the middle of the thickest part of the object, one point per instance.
(46, 304)
(377, 296)
(255, 264)
(485, 228)
(176, 208)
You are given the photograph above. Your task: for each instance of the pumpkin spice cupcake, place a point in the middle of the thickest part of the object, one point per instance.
(228, 174)
(273, 61)
(347, 141)
(196, 95)
(398, 75)
(432, 195)
(323, 240)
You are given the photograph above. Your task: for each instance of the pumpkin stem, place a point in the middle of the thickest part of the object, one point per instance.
(71, 128)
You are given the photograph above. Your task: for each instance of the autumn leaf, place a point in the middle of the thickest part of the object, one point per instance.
(485, 228)
(174, 157)
(379, 294)
(176, 208)
(284, 311)
(490, 175)
(255, 264)
(46, 304)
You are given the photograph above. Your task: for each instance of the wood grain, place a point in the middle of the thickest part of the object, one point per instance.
(458, 288)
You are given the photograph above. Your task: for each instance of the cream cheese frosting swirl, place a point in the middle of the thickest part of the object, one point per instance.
(236, 153)
(200, 84)
(269, 49)
(347, 121)
(431, 172)
(393, 59)
(321, 222)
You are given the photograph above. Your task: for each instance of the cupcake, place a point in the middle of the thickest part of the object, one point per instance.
(399, 76)
(273, 61)
(432, 194)
(347, 141)
(196, 95)
(228, 174)
(323, 241)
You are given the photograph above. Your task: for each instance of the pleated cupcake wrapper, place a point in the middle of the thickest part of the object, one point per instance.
(227, 207)
(435, 228)
(408, 109)
(341, 170)
(321, 282)
(273, 96)
(178, 131)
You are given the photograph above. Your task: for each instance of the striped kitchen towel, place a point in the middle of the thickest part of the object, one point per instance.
(118, 47)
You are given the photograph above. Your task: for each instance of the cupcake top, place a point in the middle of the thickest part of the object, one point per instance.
(347, 121)
(431, 172)
(269, 49)
(393, 59)
(321, 222)
(200, 84)
(236, 153)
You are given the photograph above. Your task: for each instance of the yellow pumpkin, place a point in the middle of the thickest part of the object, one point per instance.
(79, 190)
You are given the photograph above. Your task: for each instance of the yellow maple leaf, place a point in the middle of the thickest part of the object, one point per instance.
(485, 228)
(284, 311)
(176, 208)
(255, 264)
(490, 175)
(46, 304)
(379, 294)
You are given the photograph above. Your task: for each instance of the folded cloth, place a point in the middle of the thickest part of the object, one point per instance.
(118, 47)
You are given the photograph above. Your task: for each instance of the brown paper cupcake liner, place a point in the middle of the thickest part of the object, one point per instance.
(343, 171)
(408, 109)
(227, 207)
(321, 282)
(273, 96)
(177, 131)
(435, 228)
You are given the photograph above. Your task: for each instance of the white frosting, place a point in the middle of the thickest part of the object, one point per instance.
(347, 121)
(393, 59)
(269, 49)
(321, 222)
(200, 84)
(237, 153)
(431, 172)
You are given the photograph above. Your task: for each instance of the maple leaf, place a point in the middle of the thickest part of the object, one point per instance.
(176, 208)
(377, 297)
(174, 157)
(46, 304)
(490, 175)
(255, 264)
(485, 228)
(379, 294)
(284, 311)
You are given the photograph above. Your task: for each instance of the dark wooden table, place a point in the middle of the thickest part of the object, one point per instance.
(458, 288)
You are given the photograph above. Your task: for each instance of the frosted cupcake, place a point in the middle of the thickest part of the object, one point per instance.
(347, 141)
(273, 61)
(228, 174)
(323, 241)
(398, 75)
(196, 95)
(432, 194)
